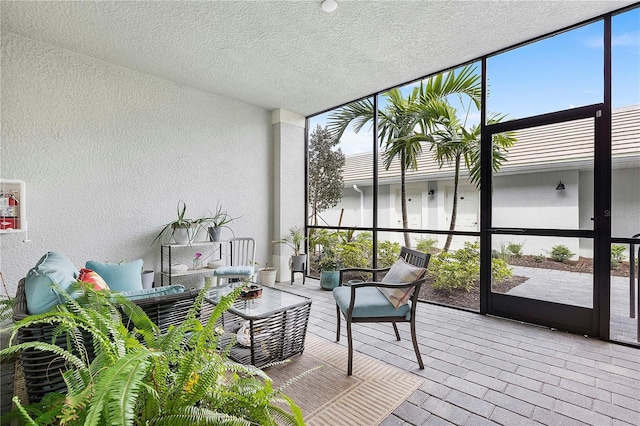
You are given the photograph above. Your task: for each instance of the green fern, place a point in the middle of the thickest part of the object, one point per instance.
(135, 375)
(6, 308)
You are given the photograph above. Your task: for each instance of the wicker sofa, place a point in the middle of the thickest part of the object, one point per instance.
(43, 370)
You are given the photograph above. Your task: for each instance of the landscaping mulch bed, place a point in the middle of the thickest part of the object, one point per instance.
(471, 299)
(583, 264)
(464, 299)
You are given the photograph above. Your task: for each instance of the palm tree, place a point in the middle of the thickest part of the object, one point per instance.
(397, 120)
(453, 143)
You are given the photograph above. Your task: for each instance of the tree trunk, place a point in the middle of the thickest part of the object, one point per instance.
(454, 209)
(314, 209)
(403, 200)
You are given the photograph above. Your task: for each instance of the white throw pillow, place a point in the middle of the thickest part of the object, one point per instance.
(401, 272)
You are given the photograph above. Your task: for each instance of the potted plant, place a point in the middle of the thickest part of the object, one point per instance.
(267, 275)
(295, 239)
(329, 265)
(182, 230)
(219, 220)
(141, 376)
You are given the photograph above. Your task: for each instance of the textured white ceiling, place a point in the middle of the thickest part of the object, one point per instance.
(291, 54)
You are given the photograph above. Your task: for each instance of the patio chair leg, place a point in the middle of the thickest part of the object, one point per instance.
(350, 359)
(395, 328)
(337, 323)
(415, 344)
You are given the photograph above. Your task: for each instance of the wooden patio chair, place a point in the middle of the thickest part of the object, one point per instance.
(393, 299)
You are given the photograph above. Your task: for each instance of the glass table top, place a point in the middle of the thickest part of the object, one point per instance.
(272, 300)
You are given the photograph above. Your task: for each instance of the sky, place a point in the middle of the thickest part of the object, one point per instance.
(561, 72)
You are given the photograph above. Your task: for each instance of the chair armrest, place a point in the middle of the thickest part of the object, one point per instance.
(387, 285)
(371, 271)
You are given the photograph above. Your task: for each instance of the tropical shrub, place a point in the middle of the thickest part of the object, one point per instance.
(142, 377)
(539, 258)
(500, 271)
(561, 253)
(355, 252)
(515, 249)
(460, 269)
(617, 255)
(427, 245)
(327, 252)
(501, 254)
(351, 251)
(508, 251)
(388, 253)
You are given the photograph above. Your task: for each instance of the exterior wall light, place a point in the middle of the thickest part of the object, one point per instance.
(431, 192)
(560, 186)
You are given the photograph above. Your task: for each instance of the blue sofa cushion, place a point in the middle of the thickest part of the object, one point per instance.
(125, 276)
(234, 270)
(147, 293)
(370, 302)
(52, 268)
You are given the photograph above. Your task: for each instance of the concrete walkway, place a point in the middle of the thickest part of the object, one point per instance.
(573, 288)
(484, 370)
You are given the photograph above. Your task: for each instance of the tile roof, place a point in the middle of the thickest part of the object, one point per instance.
(567, 145)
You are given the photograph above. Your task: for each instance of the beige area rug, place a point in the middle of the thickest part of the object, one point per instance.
(328, 396)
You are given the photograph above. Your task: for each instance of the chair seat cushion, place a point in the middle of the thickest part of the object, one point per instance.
(370, 302)
(147, 293)
(234, 270)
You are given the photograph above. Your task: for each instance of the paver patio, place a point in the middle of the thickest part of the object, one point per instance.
(487, 370)
(577, 289)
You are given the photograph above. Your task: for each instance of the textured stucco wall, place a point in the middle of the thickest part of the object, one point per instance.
(107, 152)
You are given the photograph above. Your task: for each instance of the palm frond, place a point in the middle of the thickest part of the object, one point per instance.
(359, 113)
(465, 81)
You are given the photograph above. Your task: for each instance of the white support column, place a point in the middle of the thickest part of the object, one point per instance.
(288, 183)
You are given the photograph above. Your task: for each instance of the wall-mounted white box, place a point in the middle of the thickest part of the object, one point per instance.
(13, 206)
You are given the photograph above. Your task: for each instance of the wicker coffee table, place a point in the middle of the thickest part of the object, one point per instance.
(266, 329)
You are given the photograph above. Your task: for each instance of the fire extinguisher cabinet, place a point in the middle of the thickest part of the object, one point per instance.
(13, 206)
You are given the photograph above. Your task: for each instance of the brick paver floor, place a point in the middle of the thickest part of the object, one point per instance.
(486, 370)
(577, 289)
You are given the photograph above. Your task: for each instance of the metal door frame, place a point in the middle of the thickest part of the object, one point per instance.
(588, 321)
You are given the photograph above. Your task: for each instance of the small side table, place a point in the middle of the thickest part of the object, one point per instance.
(277, 323)
(303, 272)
